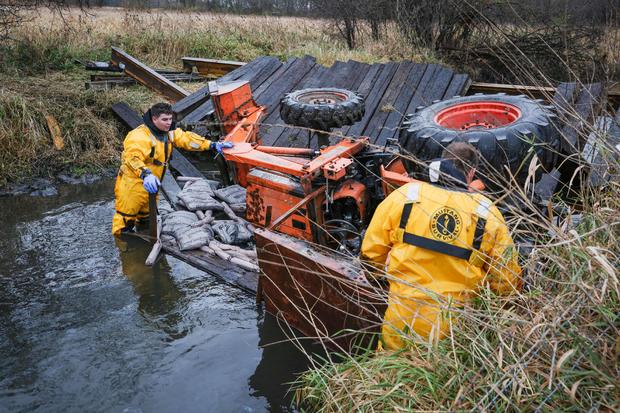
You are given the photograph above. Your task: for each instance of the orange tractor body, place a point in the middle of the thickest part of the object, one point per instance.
(287, 188)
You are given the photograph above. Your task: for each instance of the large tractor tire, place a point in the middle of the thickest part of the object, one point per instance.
(322, 108)
(507, 131)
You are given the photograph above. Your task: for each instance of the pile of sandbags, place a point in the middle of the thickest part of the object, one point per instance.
(208, 222)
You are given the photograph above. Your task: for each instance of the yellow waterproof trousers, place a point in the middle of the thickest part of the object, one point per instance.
(132, 203)
(407, 317)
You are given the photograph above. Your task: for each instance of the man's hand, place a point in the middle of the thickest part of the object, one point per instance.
(218, 146)
(151, 184)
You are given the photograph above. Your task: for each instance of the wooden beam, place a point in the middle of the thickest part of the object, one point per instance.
(536, 92)
(127, 115)
(210, 67)
(147, 76)
(99, 82)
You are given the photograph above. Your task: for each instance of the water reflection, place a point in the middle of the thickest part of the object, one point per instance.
(160, 300)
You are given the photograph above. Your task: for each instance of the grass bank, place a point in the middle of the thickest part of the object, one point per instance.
(91, 136)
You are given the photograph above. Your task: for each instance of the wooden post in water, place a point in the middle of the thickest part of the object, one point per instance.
(153, 216)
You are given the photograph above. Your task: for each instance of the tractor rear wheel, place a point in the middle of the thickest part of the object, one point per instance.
(322, 108)
(507, 131)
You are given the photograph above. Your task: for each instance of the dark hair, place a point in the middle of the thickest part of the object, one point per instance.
(161, 108)
(464, 156)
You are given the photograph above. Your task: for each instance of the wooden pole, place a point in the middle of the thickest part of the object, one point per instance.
(153, 216)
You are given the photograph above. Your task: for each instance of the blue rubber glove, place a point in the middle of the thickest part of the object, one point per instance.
(218, 146)
(151, 184)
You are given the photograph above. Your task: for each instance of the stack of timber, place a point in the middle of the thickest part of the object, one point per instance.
(107, 82)
(116, 77)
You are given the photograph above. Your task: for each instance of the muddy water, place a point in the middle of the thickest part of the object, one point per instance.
(85, 326)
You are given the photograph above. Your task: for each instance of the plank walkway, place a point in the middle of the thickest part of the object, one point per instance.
(391, 90)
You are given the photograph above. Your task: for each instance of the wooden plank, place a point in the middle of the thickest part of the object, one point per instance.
(198, 114)
(185, 106)
(365, 87)
(432, 87)
(375, 124)
(183, 166)
(419, 96)
(354, 80)
(374, 97)
(210, 67)
(127, 115)
(264, 88)
(295, 71)
(254, 71)
(147, 76)
(438, 85)
(170, 188)
(587, 105)
(536, 92)
(459, 86)
(395, 118)
(337, 73)
(264, 73)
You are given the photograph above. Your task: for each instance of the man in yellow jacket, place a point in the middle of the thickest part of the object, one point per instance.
(443, 242)
(147, 151)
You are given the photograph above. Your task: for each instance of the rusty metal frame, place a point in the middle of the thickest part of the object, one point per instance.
(322, 295)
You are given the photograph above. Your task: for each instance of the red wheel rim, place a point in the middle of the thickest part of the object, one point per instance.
(478, 115)
(320, 97)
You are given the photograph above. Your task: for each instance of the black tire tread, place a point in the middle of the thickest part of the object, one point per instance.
(510, 145)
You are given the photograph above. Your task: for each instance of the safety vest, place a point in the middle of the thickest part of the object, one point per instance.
(442, 247)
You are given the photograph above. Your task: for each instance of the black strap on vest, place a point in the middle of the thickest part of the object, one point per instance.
(163, 172)
(166, 158)
(437, 246)
(440, 246)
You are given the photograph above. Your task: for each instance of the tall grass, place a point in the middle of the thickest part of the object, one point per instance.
(160, 38)
(552, 348)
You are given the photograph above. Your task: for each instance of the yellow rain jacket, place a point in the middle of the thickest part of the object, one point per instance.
(442, 245)
(142, 150)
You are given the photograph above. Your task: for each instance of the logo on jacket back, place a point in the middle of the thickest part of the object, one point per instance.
(446, 224)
